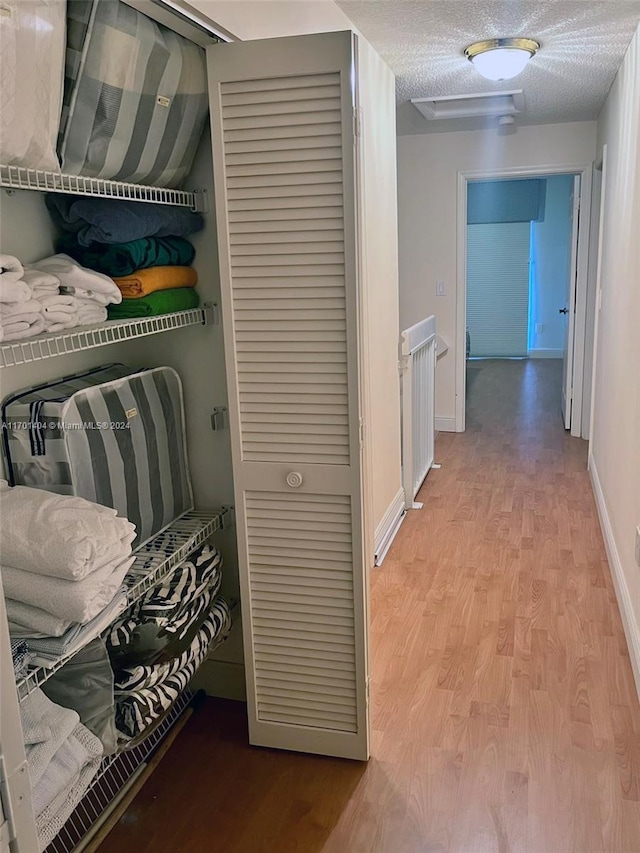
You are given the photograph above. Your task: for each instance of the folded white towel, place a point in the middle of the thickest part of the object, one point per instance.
(47, 651)
(80, 281)
(90, 312)
(77, 601)
(21, 326)
(41, 282)
(45, 727)
(13, 291)
(10, 268)
(25, 621)
(63, 768)
(9, 310)
(58, 302)
(63, 536)
(60, 311)
(51, 820)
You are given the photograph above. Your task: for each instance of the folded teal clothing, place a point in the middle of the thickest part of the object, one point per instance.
(120, 259)
(160, 302)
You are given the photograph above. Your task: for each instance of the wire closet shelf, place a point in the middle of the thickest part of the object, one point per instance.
(14, 353)
(154, 561)
(20, 178)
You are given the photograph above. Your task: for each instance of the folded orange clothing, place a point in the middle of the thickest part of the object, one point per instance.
(144, 282)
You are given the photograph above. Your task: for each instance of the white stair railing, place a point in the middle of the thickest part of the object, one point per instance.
(418, 371)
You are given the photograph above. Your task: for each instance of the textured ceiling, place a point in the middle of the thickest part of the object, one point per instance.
(582, 45)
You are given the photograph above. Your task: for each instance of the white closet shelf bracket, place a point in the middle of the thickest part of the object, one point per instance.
(82, 338)
(19, 178)
(154, 561)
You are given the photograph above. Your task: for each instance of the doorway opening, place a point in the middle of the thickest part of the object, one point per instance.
(521, 262)
(523, 244)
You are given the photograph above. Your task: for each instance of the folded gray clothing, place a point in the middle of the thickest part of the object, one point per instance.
(45, 727)
(61, 536)
(46, 651)
(114, 221)
(85, 684)
(20, 656)
(51, 820)
(78, 601)
(27, 621)
(80, 748)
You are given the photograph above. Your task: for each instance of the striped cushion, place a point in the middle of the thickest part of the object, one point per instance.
(160, 625)
(136, 710)
(122, 443)
(135, 100)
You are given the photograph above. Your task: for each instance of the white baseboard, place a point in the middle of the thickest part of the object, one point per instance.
(631, 627)
(546, 353)
(388, 527)
(445, 424)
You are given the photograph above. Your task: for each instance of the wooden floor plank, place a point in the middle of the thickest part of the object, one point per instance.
(504, 714)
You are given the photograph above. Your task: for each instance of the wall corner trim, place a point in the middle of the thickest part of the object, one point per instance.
(388, 527)
(445, 424)
(631, 628)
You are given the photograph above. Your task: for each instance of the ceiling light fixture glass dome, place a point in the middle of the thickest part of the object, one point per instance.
(501, 59)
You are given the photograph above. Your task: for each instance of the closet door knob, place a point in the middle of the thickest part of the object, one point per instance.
(294, 479)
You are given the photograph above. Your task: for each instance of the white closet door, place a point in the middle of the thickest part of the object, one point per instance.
(282, 116)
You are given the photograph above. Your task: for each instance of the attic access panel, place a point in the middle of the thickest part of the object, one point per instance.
(472, 105)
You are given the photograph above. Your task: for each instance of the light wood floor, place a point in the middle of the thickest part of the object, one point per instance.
(505, 718)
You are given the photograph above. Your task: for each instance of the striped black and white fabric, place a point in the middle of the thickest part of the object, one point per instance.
(130, 114)
(112, 435)
(161, 625)
(137, 710)
(143, 676)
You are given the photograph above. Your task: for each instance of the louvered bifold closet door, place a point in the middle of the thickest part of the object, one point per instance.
(284, 167)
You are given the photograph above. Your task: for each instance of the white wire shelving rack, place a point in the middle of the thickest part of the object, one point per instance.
(115, 774)
(19, 178)
(14, 353)
(154, 561)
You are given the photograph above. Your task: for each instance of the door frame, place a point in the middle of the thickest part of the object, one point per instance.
(585, 171)
(596, 259)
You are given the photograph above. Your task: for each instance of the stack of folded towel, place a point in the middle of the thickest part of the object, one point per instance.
(141, 246)
(86, 291)
(63, 563)
(63, 757)
(51, 295)
(20, 314)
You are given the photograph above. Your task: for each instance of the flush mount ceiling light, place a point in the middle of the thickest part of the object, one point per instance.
(501, 59)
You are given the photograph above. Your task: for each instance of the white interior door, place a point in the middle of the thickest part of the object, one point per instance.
(569, 311)
(282, 114)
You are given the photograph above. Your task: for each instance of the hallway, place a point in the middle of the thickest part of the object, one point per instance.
(504, 714)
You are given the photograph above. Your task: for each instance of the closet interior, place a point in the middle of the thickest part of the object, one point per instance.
(287, 367)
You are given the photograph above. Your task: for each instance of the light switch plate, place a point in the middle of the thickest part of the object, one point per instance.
(440, 289)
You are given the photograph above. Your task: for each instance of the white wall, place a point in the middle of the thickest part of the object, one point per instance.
(255, 19)
(379, 269)
(615, 441)
(551, 256)
(428, 167)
